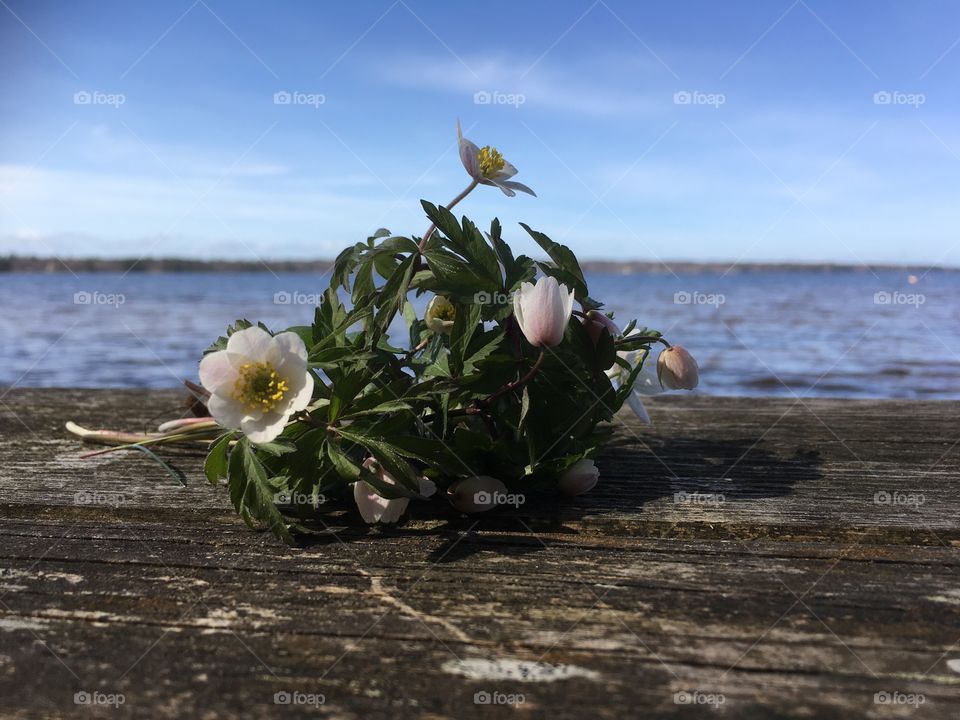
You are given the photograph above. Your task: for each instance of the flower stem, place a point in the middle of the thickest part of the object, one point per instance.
(448, 206)
(510, 387)
(649, 339)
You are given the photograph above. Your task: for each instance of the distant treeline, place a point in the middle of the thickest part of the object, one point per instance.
(15, 263)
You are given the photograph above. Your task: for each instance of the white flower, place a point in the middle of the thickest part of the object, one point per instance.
(440, 315)
(487, 166)
(375, 508)
(579, 478)
(543, 311)
(646, 382)
(257, 382)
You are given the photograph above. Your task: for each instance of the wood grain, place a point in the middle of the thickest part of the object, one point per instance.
(740, 551)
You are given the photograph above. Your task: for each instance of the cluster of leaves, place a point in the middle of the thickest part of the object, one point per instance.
(447, 405)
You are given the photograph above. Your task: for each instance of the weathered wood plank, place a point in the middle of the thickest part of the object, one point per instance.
(797, 595)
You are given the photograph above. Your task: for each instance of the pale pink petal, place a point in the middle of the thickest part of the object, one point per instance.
(226, 411)
(302, 397)
(633, 400)
(217, 372)
(265, 428)
(291, 344)
(375, 508)
(252, 345)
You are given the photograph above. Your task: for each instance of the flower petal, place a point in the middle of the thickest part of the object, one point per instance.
(226, 411)
(217, 371)
(468, 155)
(507, 171)
(302, 397)
(633, 400)
(253, 343)
(514, 185)
(375, 508)
(265, 428)
(291, 344)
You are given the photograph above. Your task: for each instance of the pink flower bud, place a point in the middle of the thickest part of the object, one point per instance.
(476, 494)
(375, 508)
(677, 370)
(596, 321)
(543, 311)
(579, 478)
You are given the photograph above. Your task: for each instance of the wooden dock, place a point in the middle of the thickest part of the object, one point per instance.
(740, 558)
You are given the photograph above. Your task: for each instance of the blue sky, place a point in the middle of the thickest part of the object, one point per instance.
(691, 130)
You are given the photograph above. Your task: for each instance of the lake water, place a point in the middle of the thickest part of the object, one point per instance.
(813, 334)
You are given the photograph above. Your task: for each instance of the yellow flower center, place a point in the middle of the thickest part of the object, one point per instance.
(491, 161)
(259, 387)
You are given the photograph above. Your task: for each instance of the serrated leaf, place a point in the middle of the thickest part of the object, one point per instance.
(215, 464)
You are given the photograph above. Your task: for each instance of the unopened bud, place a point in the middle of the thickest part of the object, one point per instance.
(440, 315)
(677, 369)
(579, 478)
(476, 494)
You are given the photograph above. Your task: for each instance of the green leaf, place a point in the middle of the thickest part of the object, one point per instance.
(253, 494)
(385, 454)
(215, 466)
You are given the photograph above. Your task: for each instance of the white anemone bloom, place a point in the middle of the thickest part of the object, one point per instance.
(646, 382)
(258, 382)
(543, 311)
(488, 167)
